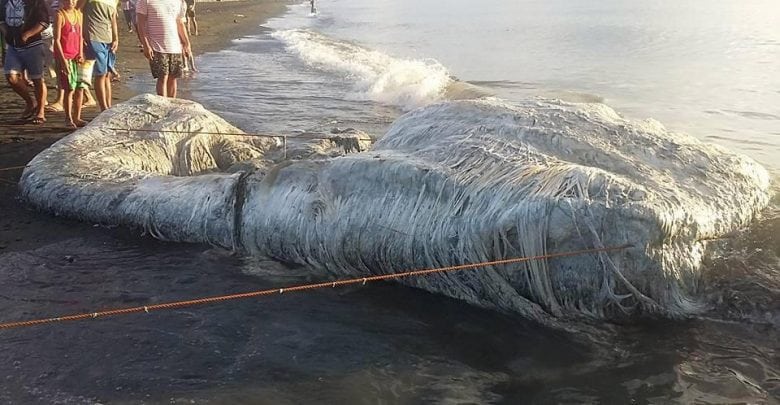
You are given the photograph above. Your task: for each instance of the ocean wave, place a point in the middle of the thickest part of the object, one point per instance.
(376, 76)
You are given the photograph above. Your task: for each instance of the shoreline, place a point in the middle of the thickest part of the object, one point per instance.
(219, 23)
(21, 227)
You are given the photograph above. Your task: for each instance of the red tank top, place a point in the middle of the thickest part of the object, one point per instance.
(70, 35)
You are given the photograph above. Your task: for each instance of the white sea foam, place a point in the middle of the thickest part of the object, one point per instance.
(405, 83)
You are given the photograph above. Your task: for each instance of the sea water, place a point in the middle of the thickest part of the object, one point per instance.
(711, 70)
(707, 68)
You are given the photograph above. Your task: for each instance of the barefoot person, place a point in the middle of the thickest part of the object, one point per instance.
(101, 40)
(164, 39)
(128, 9)
(21, 23)
(69, 51)
(192, 23)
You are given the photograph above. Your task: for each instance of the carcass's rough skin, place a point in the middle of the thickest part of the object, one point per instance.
(451, 183)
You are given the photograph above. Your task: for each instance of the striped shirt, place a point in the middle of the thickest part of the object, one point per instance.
(162, 17)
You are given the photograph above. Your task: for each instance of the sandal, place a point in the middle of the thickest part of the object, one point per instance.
(38, 121)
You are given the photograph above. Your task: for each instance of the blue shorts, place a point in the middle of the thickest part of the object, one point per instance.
(17, 60)
(101, 53)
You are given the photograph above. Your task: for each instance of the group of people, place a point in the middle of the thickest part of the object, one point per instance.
(85, 40)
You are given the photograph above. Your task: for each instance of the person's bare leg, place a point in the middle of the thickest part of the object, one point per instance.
(40, 98)
(191, 61)
(89, 101)
(108, 90)
(19, 85)
(68, 105)
(171, 85)
(78, 100)
(100, 91)
(195, 25)
(138, 35)
(162, 86)
(57, 105)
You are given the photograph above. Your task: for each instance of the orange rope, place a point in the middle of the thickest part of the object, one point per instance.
(330, 284)
(302, 136)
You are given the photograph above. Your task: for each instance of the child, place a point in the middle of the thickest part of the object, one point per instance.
(69, 50)
(189, 64)
(191, 23)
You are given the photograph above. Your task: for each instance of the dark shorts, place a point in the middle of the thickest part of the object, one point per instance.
(191, 11)
(101, 53)
(30, 59)
(166, 64)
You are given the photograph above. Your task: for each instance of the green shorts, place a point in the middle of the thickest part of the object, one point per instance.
(79, 77)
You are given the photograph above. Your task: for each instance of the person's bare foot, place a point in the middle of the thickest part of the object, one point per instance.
(70, 124)
(54, 107)
(115, 76)
(80, 123)
(89, 103)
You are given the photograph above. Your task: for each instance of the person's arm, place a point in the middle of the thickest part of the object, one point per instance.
(114, 33)
(40, 14)
(184, 37)
(81, 42)
(181, 26)
(141, 20)
(58, 52)
(35, 30)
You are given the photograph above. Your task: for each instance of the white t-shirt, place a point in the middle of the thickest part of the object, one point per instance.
(161, 19)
